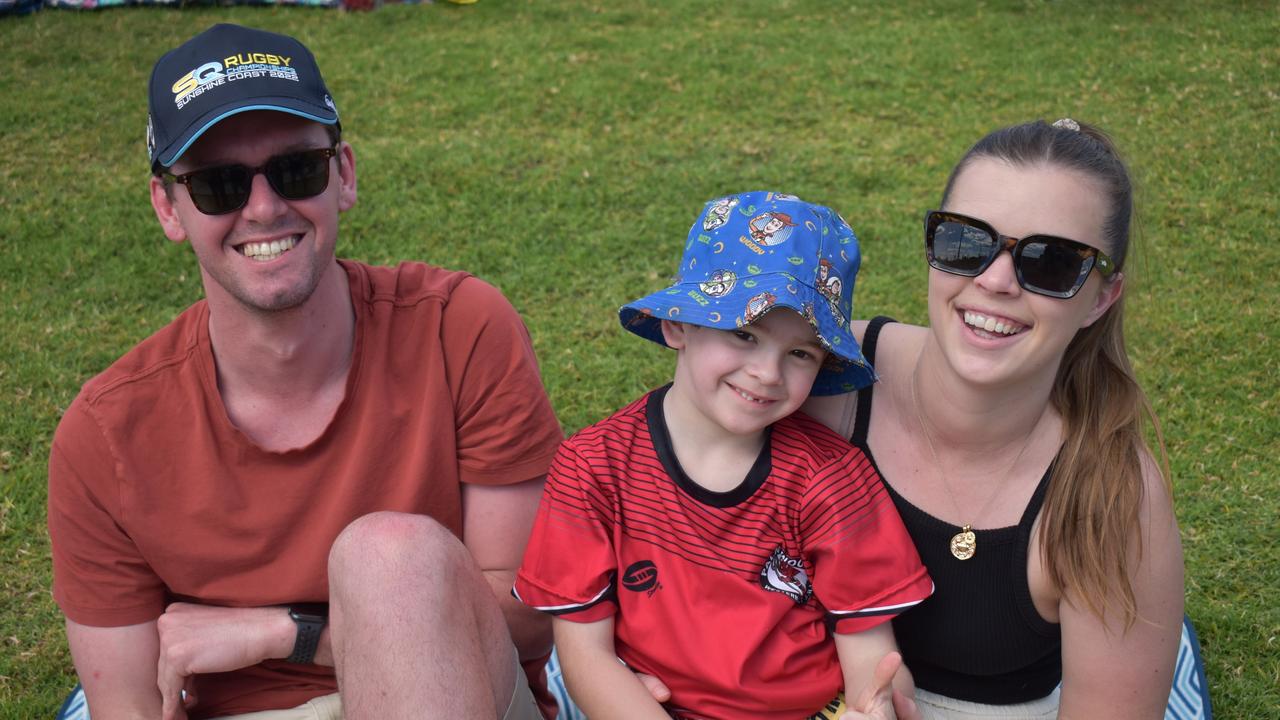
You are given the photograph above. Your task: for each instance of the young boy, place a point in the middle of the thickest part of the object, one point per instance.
(704, 534)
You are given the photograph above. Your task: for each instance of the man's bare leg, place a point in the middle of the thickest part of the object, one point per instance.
(415, 628)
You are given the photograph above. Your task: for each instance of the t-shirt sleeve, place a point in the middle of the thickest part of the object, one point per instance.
(99, 576)
(866, 568)
(569, 568)
(506, 429)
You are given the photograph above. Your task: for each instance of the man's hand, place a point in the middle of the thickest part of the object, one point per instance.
(198, 639)
(657, 689)
(879, 700)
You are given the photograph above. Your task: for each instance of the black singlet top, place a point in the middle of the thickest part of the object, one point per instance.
(978, 637)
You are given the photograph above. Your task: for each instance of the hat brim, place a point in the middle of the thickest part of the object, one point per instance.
(746, 300)
(169, 155)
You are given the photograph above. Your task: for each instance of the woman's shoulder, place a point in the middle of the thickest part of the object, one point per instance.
(890, 333)
(892, 347)
(1156, 518)
(895, 344)
(1154, 548)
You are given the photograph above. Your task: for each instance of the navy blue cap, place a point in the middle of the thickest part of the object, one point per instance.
(225, 70)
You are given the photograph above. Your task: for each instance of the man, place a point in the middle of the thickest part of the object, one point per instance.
(321, 477)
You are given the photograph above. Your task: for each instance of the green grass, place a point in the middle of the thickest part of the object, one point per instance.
(561, 150)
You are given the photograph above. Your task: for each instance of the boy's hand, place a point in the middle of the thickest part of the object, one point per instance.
(879, 701)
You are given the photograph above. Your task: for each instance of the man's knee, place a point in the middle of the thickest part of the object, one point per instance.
(401, 544)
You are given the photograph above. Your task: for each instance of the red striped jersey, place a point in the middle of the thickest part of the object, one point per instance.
(727, 597)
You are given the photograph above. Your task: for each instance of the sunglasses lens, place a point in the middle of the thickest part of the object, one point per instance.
(1052, 267)
(299, 175)
(219, 190)
(296, 176)
(959, 248)
(1047, 265)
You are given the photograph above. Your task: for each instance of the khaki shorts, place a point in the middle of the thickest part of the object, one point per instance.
(939, 707)
(329, 707)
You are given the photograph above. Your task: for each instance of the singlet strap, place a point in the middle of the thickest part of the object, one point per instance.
(863, 419)
(1022, 585)
(1037, 498)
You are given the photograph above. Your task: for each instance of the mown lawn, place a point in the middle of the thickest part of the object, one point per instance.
(561, 149)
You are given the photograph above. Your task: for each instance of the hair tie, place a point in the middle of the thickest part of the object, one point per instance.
(1067, 124)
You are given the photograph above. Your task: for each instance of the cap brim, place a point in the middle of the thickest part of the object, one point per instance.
(170, 154)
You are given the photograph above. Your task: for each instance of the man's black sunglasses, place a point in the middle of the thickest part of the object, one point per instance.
(1045, 265)
(225, 188)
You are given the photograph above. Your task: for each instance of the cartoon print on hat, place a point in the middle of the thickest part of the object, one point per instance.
(771, 228)
(829, 287)
(749, 253)
(720, 282)
(758, 306)
(718, 213)
(807, 313)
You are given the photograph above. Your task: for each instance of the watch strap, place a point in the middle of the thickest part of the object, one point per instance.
(310, 622)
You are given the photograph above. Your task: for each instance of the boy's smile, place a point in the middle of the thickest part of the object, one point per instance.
(732, 384)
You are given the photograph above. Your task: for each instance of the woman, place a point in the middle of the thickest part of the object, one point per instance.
(1009, 432)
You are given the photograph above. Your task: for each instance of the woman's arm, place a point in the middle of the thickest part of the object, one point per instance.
(600, 684)
(1112, 671)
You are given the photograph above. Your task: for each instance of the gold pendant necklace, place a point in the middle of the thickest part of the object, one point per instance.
(964, 544)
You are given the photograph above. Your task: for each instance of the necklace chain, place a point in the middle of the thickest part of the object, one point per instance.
(964, 544)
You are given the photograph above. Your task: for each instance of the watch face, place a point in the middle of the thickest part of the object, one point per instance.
(309, 612)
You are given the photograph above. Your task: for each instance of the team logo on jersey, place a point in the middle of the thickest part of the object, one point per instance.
(784, 574)
(641, 576)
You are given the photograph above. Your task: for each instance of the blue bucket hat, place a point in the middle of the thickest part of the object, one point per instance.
(755, 251)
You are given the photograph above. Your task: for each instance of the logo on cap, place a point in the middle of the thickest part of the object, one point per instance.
(241, 66)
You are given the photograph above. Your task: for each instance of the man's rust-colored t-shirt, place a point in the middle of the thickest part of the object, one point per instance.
(155, 497)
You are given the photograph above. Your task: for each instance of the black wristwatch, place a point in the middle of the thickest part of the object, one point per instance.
(310, 619)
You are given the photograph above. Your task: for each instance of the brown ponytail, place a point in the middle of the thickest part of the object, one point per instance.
(1091, 509)
(1090, 512)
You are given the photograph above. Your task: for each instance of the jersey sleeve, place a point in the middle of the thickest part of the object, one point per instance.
(866, 568)
(99, 576)
(506, 429)
(570, 568)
